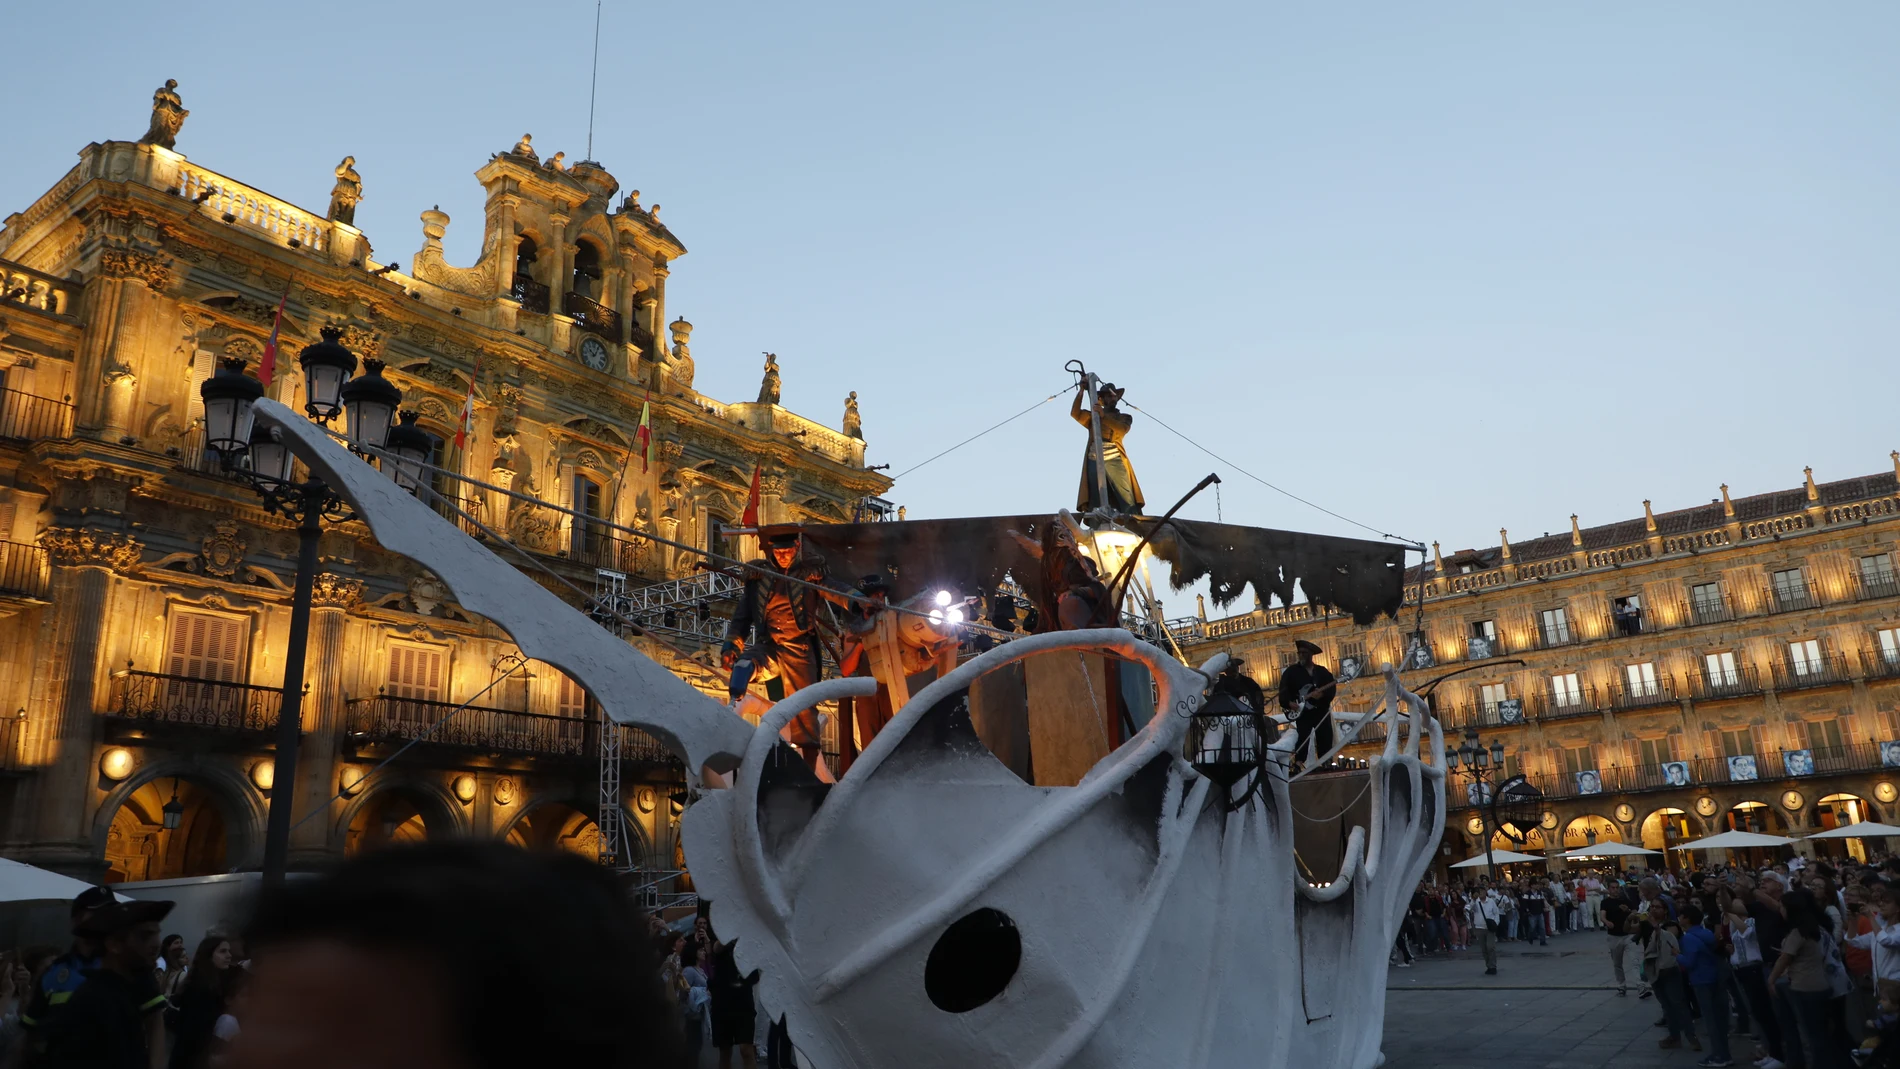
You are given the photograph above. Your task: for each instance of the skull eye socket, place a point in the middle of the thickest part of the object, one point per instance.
(973, 961)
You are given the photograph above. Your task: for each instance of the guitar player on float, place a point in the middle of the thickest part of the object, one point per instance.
(1306, 696)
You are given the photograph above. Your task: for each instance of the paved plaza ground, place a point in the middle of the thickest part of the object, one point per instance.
(1549, 1007)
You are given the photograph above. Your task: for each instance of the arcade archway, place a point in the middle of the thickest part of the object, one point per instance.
(1761, 818)
(1834, 811)
(166, 829)
(1666, 828)
(395, 816)
(556, 826)
(1590, 830)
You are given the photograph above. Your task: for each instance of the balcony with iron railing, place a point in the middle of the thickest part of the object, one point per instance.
(1793, 597)
(155, 698)
(591, 315)
(1739, 682)
(1877, 585)
(474, 727)
(24, 571)
(1625, 694)
(1637, 779)
(1549, 637)
(1830, 669)
(25, 417)
(1561, 706)
(534, 296)
(1482, 714)
(1877, 662)
(1711, 610)
(1632, 623)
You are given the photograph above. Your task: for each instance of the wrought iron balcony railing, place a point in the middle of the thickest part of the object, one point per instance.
(475, 727)
(1741, 681)
(1554, 706)
(1794, 598)
(1829, 670)
(1877, 662)
(1716, 610)
(25, 417)
(1625, 694)
(157, 698)
(1868, 587)
(1699, 771)
(532, 295)
(591, 315)
(1549, 638)
(23, 570)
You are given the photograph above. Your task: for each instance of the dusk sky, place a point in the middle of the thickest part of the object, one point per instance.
(1443, 268)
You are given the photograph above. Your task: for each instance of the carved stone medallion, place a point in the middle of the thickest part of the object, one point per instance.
(223, 550)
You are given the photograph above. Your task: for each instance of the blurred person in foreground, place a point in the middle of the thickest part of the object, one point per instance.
(114, 1019)
(461, 955)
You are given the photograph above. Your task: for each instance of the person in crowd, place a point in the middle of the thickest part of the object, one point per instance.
(1859, 924)
(1486, 912)
(54, 985)
(1457, 919)
(1592, 887)
(1771, 928)
(1881, 1048)
(204, 997)
(734, 1011)
(400, 958)
(113, 1019)
(1532, 905)
(1803, 963)
(1751, 977)
(1701, 959)
(15, 983)
(171, 958)
(1661, 945)
(1435, 929)
(1616, 922)
(694, 1007)
(1306, 697)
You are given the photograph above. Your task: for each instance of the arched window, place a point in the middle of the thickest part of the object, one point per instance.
(525, 253)
(587, 501)
(716, 534)
(532, 295)
(586, 280)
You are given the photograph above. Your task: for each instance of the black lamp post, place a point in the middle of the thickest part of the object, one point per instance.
(368, 403)
(1478, 764)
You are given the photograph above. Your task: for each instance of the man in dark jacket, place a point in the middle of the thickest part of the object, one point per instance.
(64, 974)
(774, 632)
(114, 1020)
(1306, 696)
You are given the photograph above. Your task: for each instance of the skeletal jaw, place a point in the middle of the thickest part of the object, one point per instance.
(934, 910)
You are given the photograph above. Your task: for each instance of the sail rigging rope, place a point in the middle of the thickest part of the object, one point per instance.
(983, 432)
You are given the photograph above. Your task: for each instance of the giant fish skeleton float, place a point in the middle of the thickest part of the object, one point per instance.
(932, 909)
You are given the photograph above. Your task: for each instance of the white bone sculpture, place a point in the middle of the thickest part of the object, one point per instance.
(1155, 928)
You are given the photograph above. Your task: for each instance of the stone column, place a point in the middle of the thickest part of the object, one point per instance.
(324, 722)
(53, 822)
(117, 304)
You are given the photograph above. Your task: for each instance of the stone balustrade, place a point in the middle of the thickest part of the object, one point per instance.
(25, 286)
(240, 205)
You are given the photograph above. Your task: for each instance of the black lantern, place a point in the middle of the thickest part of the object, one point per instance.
(412, 446)
(270, 460)
(327, 366)
(229, 398)
(173, 811)
(1226, 740)
(369, 404)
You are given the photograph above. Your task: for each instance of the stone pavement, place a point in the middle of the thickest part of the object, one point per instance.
(1549, 1007)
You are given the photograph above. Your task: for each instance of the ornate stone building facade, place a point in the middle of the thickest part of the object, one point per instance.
(1732, 665)
(146, 594)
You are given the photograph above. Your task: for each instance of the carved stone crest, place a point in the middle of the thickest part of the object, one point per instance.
(427, 593)
(222, 550)
(135, 264)
(335, 591)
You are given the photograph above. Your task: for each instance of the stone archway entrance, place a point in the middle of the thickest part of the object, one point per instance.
(140, 846)
(1664, 829)
(1836, 810)
(392, 817)
(556, 826)
(1590, 830)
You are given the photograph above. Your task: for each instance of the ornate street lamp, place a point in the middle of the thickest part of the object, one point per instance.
(1226, 740)
(412, 447)
(368, 402)
(369, 405)
(229, 398)
(1476, 762)
(327, 367)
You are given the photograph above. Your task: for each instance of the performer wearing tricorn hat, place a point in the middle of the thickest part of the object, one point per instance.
(1124, 491)
(775, 628)
(1306, 695)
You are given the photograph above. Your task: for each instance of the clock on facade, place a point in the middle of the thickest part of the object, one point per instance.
(1885, 791)
(1625, 813)
(1706, 806)
(1792, 800)
(594, 354)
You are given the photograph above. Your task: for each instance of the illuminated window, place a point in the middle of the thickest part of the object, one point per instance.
(1641, 679)
(1565, 691)
(204, 646)
(415, 673)
(1556, 627)
(1490, 694)
(1889, 640)
(587, 535)
(1721, 669)
(1804, 657)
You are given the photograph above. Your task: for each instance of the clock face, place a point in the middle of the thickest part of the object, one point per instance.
(594, 354)
(1792, 800)
(1625, 813)
(1705, 806)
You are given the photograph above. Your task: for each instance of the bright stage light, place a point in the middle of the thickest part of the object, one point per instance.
(956, 616)
(943, 597)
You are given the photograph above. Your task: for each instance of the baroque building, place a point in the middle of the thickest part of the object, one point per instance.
(146, 593)
(1732, 665)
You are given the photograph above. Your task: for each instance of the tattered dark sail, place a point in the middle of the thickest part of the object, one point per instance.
(1353, 575)
(968, 555)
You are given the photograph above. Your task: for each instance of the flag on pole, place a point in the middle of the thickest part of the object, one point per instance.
(644, 437)
(468, 408)
(751, 516)
(267, 368)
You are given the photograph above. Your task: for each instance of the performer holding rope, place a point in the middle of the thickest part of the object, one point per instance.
(1306, 696)
(774, 632)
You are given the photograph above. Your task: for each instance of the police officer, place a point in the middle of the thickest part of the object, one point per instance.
(114, 1019)
(65, 973)
(1306, 696)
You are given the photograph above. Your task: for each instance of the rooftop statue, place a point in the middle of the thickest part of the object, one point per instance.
(853, 423)
(525, 147)
(168, 116)
(769, 386)
(349, 190)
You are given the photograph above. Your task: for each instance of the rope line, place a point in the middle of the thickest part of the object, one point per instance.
(1268, 485)
(981, 433)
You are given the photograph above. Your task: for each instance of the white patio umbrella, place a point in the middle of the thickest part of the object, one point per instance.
(1608, 850)
(1501, 857)
(1734, 840)
(20, 882)
(1866, 829)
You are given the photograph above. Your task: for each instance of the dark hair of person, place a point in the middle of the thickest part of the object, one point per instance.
(164, 947)
(203, 974)
(1690, 912)
(1805, 914)
(542, 957)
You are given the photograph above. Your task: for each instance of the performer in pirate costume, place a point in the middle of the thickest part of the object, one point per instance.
(774, 632)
